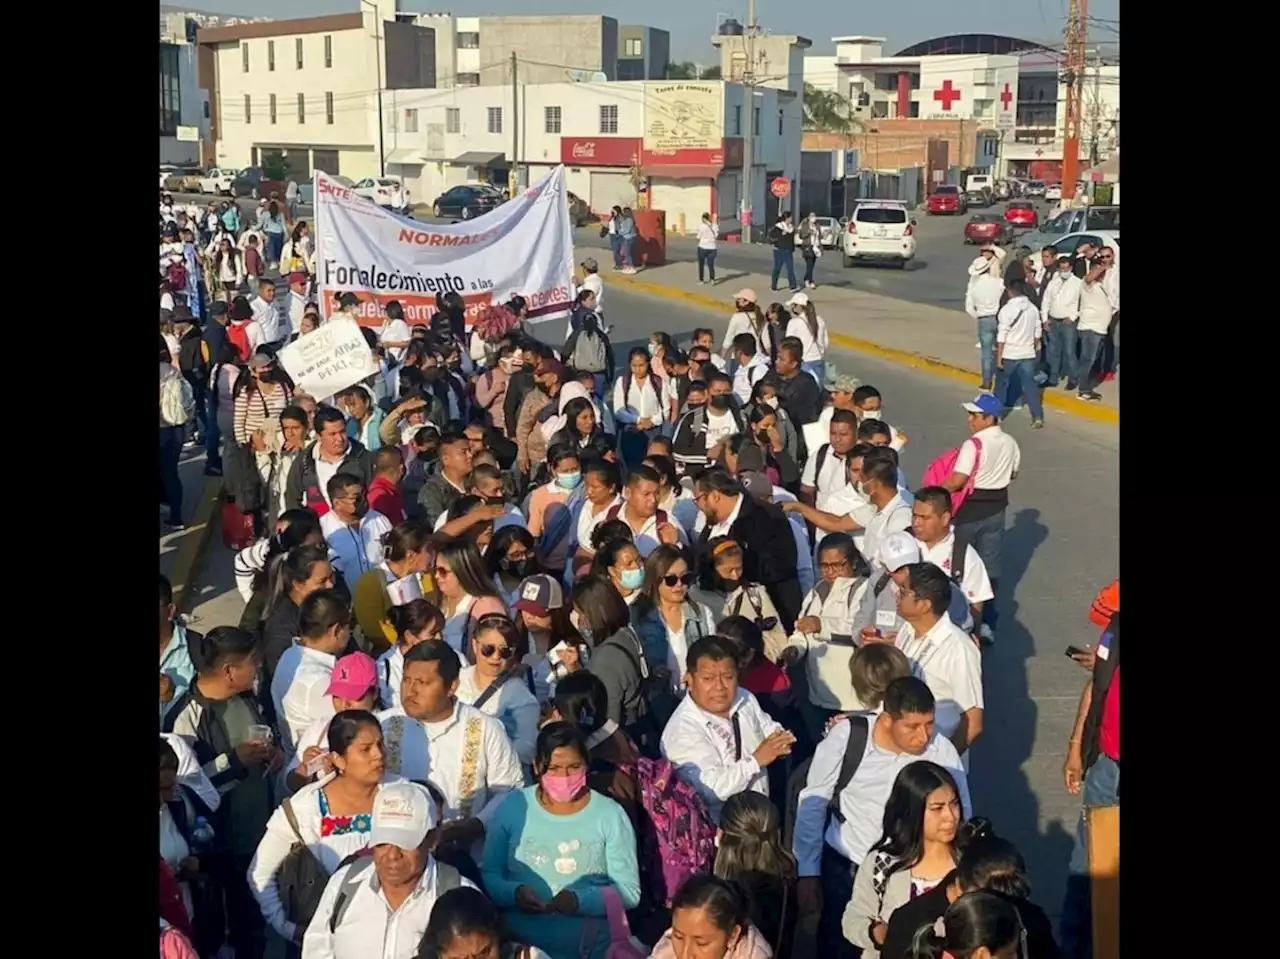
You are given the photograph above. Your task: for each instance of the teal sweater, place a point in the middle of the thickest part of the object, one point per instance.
(585, 852)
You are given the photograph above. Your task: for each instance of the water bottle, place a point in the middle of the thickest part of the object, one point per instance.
(202, 833)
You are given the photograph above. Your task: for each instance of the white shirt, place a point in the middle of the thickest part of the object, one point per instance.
(722, 528)
(642, 402)
(370, 928)
(390, 674)
(814, 347)
(300, 691)
(742, 323)
(827, 653)
(1061, 300)
(317, 734)
(395, 331)
(708, 233)
(1095, 307)
(999, 462)
(703, 750)
(297, 309)
(745, 377)
(268, 317)
(894, 517)
(587, 522)
(646, 537)
(863, 800)
(833, 479)
(720, 426)
(975, 584)
(190, 773)
(1018, 329)
(356, 549)
(1111, 281)
(952, 669)
(982, 298)
(513, 705)
(436, 753)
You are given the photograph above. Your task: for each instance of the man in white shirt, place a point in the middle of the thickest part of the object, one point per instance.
(1018, 330)
(298, 300)
(353, 531)
(1096, 311)
(1059, 310)
(300, 684)
(837, 823)
(939, 544)
(639, 510)
(982, 302)
(267, 314)
(719, 739)
(752, 365)
(379, 905)
(824, 472)
(992, 458)
(868, 404)
(592, 281)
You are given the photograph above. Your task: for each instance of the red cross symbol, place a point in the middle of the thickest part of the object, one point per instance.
(946, 96)
(1006, 97)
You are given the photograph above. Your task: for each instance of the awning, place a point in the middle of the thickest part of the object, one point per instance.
(479, 158)
(406, 156)
(688, 172)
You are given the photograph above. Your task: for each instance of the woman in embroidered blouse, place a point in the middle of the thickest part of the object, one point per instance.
(331, 816)
(408, 560)
(556, 850)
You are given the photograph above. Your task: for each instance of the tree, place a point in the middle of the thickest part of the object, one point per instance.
(682, 71)
(711, 73)
(826, 111)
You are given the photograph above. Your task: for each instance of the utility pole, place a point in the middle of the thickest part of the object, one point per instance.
(749, 141)
(377, 53)
(1073, 78)
(1095, 108)
(513, 186)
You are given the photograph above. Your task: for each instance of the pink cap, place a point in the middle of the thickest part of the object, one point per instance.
(353, 676)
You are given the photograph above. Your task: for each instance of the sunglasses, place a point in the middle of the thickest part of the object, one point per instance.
(684, 579)
(502, 652)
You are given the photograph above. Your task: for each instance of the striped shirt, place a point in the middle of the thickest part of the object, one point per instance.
(255, 410)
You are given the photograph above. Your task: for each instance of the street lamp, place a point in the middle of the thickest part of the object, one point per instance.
(377, 52)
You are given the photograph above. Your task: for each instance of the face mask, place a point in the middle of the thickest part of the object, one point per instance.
(720, 403)
(431, 375)
(653, 349)
(728, 585)
(569, 480)
(564, 788)
(522, 569)
(506, 365)
(631, 578)
(361, 507)
(528, 367)
(771, 402)
(871, 414)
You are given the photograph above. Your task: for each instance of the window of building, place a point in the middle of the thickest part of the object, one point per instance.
(495, 119)
(886, 81)
(755, 122)
(297, 51)
(452, 120)
(468, 41)
(982, 109)
(328, 108)
(328, 51)
(608, 118)
(302, 108)
(736, 126)
(468, 79)
(271, 55)
(633, 47)
(271, 109)
(984, 77)
(326, 161)
(244, 57)
(737, 65)
(170, 91)
(248, 109)
(411, 121)
(206, 109)
(551, 119)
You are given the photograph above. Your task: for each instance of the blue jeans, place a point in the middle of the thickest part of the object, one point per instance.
(615, 247)
(783, 258)
(1061, 347)
(987, 326)
(986, 536)
(1101, 788)
(1090, 349)
(809, 263)
(707, 262)
(628, 245)
(818, 371)
(275, 246)
(837, 890)
(171, 439)
(1020, 377)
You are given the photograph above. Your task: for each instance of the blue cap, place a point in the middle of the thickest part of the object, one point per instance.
(984, 403)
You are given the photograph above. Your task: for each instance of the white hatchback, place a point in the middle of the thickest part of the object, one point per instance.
(880, 230)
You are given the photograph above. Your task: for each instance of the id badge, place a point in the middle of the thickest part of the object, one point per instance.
(886, 618)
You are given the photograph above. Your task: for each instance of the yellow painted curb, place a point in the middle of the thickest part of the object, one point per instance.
(186, 563)
(917, 361)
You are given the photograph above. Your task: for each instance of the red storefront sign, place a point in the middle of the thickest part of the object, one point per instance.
(694, 164)
(600, 151)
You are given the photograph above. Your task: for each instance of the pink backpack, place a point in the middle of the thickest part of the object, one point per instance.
(174, 945)
(622, 945)
(679, 839)
(940, 469)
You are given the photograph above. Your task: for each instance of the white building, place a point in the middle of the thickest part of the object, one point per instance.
(681, 141)
(184, 107)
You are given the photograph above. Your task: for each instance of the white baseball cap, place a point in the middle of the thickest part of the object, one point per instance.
(898, 550)
(800, 299)
(403, 814)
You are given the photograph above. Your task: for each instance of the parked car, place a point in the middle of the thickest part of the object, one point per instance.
(988, 228)
(828, 232)
(166, 170)
(254, 182)
(1072, 221)
(979, 198)
(1053, 192)
(1022, 215)
(466, 201)
(880, 230)
(946, 198)
(1035, 188)
(218, 181)
(1071, 242)
(184, 180)
(383, 190)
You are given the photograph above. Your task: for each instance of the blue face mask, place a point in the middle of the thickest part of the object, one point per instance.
(569, 480)
(653, 349)
(631, 578)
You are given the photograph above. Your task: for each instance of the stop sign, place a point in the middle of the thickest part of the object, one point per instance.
(780, 187)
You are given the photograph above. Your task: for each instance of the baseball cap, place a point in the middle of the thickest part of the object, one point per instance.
(353, 676)
(800, 299)
(403, 814)
(898, 550)
(984, 403)
(757, 485)
(259, 360)
(746, 293)
(539, 595)
(590, 264)
(838, 382)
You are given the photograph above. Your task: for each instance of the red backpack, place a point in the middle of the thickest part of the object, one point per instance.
(238, 338)
(177, 275)
(937, 472)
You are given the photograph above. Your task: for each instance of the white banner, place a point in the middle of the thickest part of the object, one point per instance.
(329, 359)
(525, 247)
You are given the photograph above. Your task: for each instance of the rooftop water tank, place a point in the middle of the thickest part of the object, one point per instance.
(730, 28)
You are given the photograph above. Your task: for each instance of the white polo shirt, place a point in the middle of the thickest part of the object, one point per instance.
(300, 691)
(357, 549)
(974, 582)
(646, 537)
(952, 668)
(894, 517)
(833, 479)
(999, 462)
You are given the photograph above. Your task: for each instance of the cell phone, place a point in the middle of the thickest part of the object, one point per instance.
(1074, 651)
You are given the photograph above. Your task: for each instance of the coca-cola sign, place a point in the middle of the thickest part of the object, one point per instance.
(600, 151)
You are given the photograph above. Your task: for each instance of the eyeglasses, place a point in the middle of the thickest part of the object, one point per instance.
(502, 652)
(443, 571)
(684, 579)
(834, 567)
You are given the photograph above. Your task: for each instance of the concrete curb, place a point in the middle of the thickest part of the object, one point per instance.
(186, 564)
(918, 361)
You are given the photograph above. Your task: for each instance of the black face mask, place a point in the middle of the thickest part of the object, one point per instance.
(528, 367)
(720, 403)
(496, 500)
(431, 375)
(526, 567)
(544, 388)
(361, 506)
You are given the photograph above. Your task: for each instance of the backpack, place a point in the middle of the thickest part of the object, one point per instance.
(937, 472)
(678, 838)
(616, 508)
(589, 353)
(238, 338)
(302, 877)
(854, 750)
(447, 879)
(959, 546)
(177, 401)
(177, 274)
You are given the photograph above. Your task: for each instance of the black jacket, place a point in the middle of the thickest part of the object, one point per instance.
(802, 398)
(769, 555)
(518, 386)
(302, 488)
(435, 498)
(784, 240)
(925, 910)
(278, 630)
(689, 442)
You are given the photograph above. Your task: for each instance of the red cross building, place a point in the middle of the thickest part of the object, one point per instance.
(946, 96)
(1006, 97)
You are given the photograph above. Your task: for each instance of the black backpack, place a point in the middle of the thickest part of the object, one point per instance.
(302, 877)
(854, 750)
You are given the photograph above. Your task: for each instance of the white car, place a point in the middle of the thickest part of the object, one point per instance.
(218, 181)
(1071, 242)
(166, 170)
(382, 190)
(1053, 193)
(880, 230)
(828, 232)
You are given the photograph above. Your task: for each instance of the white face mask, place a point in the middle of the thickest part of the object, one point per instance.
(770, 401)
(871, 414)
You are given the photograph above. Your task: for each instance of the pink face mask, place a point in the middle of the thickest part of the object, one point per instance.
(564, 788)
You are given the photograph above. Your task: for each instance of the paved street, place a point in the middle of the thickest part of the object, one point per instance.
(1063, 546)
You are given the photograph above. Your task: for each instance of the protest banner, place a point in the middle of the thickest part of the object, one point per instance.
(329, 359)
(524, 246)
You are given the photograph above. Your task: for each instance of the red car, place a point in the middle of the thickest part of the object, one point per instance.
(946, 198)
(987, 228)
(1022, 215)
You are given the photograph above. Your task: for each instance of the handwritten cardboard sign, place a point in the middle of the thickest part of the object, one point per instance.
(329, 359)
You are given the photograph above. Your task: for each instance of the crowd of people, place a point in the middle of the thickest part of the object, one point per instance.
(543, 655)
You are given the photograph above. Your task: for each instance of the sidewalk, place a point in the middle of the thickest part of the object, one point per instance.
(925, 337)
(181, 551)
